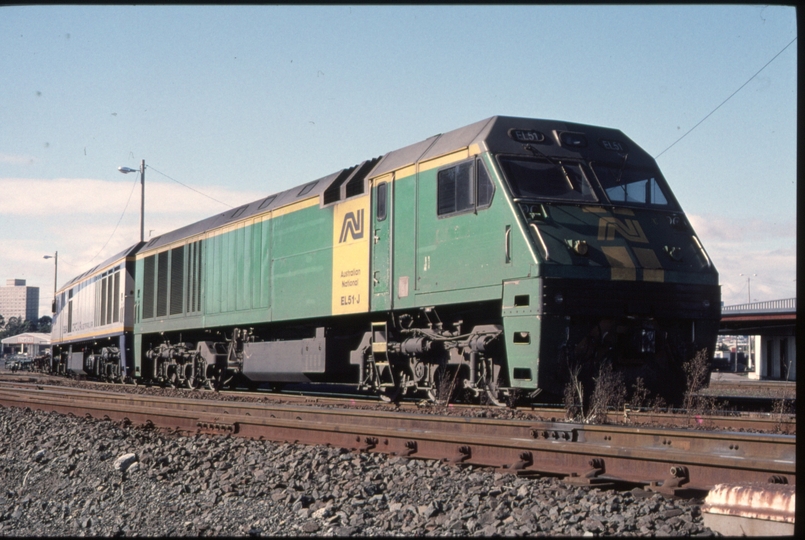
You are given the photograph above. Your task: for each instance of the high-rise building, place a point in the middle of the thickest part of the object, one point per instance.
(18, 300)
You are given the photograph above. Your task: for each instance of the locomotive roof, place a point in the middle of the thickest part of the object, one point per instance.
(111, 261)
(489, 134)
(493, 134)
(276, 200)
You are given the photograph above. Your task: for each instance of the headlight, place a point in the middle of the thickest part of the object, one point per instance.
(579, 247)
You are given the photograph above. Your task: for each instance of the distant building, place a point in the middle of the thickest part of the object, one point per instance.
(17, 300)
(30, 343)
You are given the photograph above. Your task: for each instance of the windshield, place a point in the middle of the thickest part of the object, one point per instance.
(631, 185)
(542, 179)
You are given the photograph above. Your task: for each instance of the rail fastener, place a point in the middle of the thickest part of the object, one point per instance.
(592, 476)
(678, 476)
(463, 453)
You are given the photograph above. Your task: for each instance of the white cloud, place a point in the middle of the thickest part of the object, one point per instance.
(739, 229)
(15, 160)
(66, 196)
(759, 249)
(771, 272)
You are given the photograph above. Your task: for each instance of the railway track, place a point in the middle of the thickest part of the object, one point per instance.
(672, 461)
(758, 422)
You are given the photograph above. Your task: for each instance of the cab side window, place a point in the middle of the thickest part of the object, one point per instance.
(465, 187)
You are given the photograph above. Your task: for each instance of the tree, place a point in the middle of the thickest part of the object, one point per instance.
(15, 326)
(44, 325)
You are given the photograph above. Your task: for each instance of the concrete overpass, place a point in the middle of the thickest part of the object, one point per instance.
(772, 327)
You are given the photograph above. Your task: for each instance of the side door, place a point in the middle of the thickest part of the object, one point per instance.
(382, 237)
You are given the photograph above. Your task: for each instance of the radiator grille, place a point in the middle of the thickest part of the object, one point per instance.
(162, 284)
(148, 287)
(177, 280)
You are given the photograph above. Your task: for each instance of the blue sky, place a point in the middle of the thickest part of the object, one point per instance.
(240, 102)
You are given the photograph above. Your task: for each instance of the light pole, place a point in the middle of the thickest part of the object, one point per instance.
(126, 170)
(749, 359)
(55, 276)
(748, 286)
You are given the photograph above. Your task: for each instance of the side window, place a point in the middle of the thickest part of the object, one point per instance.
(463, 187)
(456, 191)
(381, 201)
(485, 186)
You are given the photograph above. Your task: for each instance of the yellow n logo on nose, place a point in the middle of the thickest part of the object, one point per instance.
(629, 229)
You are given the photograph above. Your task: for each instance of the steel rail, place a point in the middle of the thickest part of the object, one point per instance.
(364, 416)
(759, 422)
(669, 460)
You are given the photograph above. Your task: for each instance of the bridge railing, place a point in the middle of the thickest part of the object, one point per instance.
(786, 304)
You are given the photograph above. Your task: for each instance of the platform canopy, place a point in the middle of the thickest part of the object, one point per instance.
(28, 338)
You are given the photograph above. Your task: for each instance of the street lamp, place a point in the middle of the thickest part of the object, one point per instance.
(126, 170)
(55, 276)
(748, 286)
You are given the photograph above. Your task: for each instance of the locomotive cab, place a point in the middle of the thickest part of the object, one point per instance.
(622, 278)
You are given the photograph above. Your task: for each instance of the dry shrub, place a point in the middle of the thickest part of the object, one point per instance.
(697, 370)
(574, 395)
(446, 381)
(659, 405)
(782, 409)
(609, 392)
(639, 394)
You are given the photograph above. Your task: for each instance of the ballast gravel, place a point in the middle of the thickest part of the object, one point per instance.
(67, 476)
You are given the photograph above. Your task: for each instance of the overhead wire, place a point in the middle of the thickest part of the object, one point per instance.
(726, 100)
(188, 187)
(118, 221)
(129, 200)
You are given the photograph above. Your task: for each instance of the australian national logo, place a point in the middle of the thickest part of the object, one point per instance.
(352, 226)
(629, 228)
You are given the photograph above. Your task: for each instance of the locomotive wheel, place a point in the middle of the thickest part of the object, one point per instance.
(494, 396)
(189, 376)
(491, 385)
(391, 395)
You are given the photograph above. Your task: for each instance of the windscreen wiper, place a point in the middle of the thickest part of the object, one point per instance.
(561, 166)
(623, 166)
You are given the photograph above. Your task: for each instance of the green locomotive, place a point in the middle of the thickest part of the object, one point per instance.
(494, 259)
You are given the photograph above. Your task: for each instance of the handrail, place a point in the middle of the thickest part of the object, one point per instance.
(539, 235)
(701, 248)
(507, 244)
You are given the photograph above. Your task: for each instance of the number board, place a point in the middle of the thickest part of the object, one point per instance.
(615, 146)
(527, 135)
